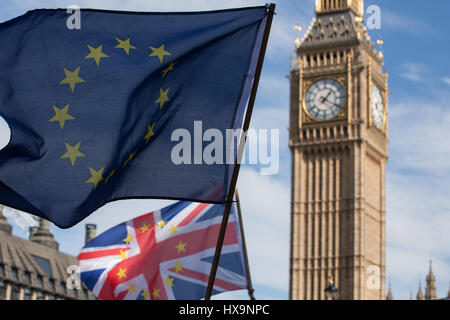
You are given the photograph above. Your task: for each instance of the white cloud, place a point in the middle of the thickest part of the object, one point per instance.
(417, 215)
(415, 72)
(418, 129)
(446, 80)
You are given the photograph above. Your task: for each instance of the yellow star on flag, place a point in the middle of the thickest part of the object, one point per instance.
(169, 281)
(129, 158)
(125, 45)
(149, 132)
(145, 293)
(173, 229)
(144, 227)
(155, 293)
(178, 267)
(163, 98)
(131, 288)
(123, 254)
(181, 246)
(96, 176)
(128, 239)
(159, 52)
(169, 68)
(96, 54)
(122, 273)
(72, 78)
(61, 115)
(161, 224)
(72, 153)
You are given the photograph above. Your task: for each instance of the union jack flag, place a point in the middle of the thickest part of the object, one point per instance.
(165, 254)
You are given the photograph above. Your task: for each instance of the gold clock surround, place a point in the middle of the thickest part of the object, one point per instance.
(307, 119)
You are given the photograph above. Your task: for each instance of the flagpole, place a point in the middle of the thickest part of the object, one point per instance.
(237, 165)
(244, 248)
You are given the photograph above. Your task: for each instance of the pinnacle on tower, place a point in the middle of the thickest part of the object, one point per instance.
(419, 292)
(430, 290)
(389, 295)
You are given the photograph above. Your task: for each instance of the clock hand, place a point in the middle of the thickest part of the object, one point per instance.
(326, 97)
(331, 103)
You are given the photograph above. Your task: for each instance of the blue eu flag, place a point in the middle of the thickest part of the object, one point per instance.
(92, 110)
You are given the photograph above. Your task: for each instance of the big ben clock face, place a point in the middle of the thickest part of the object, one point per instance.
(377, 107)
(325, 99)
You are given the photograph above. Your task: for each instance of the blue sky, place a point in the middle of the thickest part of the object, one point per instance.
(416, 49)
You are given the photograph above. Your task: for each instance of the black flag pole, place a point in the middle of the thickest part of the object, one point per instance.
(244, 247)
(237, 166)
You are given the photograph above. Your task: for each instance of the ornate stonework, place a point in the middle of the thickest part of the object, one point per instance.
(35, 269)
(430, 289)
(338, 165)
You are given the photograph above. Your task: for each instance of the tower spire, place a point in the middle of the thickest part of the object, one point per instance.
(430, 290)
(389, 295)
(419, 292)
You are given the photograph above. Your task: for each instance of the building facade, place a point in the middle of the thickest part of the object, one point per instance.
(339, 147)
(35, 269)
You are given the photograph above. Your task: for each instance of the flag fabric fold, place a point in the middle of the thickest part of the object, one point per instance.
(166, 254)
(92, 111)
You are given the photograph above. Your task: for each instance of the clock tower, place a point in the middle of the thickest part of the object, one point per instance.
(339, 146)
